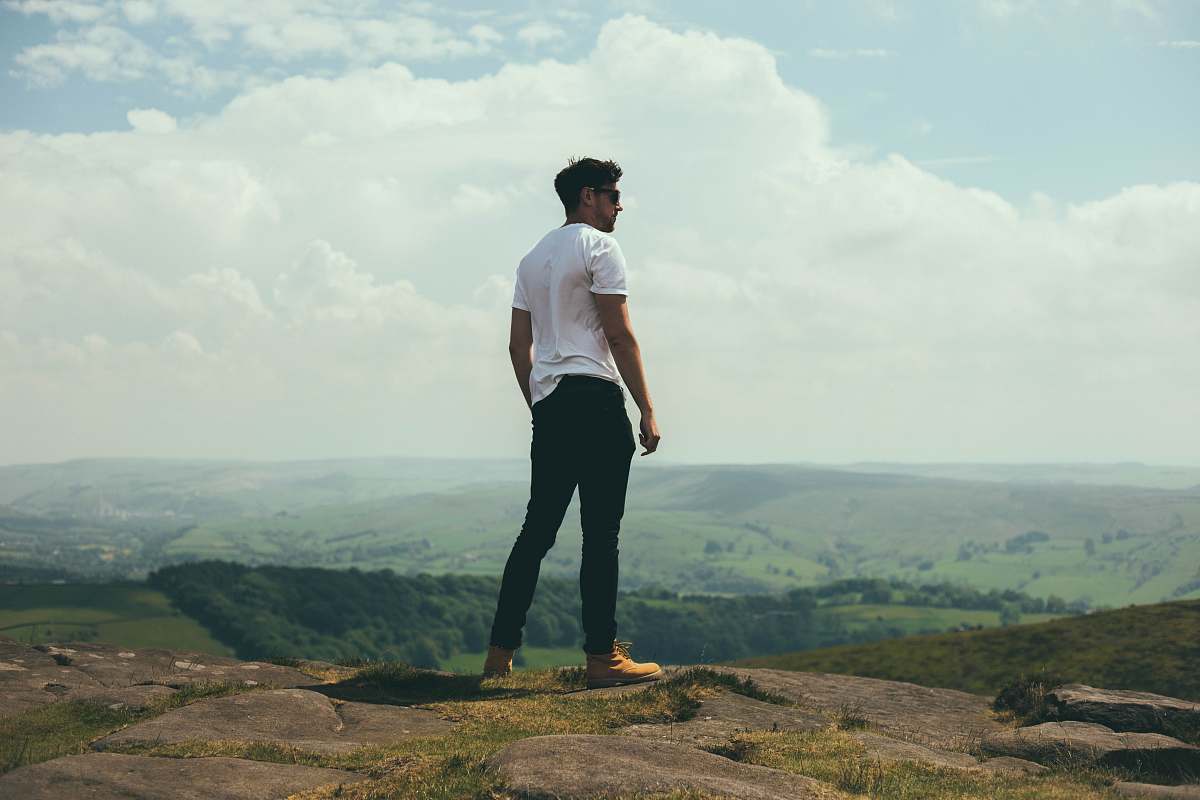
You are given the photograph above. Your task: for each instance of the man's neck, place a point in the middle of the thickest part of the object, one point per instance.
(575, 219)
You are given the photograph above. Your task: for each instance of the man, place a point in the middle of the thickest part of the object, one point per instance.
(571, 342)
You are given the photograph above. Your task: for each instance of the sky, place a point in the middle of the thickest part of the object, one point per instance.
(870, 230)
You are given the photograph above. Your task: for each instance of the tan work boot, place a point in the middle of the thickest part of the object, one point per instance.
(498, 662)
(617, 668)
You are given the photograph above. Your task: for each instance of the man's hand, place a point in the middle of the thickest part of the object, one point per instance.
(649, 435)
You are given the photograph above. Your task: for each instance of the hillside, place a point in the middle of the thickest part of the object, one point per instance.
(1152, 648)
(129, 614)
(712, 529)
(430, 620)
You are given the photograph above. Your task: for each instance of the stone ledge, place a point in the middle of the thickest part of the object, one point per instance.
(111, 776)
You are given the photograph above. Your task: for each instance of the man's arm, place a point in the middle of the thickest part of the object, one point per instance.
(520, 350)
(614, 317)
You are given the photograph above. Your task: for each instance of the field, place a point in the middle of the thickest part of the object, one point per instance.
(908, 620)
(130, 615)
(918, 619)
(534, 658)
(134, 615)
(745, 531)
(718, 529)
(1148, 648)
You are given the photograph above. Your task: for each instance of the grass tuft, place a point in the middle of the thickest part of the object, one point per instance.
(69, 726)
(1025, 697)
(862, 776)
(851, 717)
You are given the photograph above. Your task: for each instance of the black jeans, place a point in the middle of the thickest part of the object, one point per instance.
(581, 437)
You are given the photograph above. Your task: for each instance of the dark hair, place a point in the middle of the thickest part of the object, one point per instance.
(581, 172)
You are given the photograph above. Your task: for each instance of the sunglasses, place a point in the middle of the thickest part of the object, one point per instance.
(613, 194)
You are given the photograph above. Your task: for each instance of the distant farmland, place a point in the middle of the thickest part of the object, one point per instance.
(1064, 530)
(127, 614)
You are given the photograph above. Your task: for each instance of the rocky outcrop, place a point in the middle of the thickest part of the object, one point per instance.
(42, 674)
(111, 776)
(942, 718)
(284, 706)
(1122, 710)
(1156, 792)
(291, 718)
(718, 718)
(598, 766)
(1087, 742)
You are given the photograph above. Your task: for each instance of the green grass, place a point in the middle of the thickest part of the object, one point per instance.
(66, 727)
(126, 614)
(535, 658)
(837, 758)
(769, 520)
(1150, 648)
(921, 619)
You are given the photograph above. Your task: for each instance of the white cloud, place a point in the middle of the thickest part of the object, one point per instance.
(324, 267)
(540, 32)
(60, 10)
(1146, 9)
(955, 161)
(94, 45)
(151, 120)
(1119, 11)
(485, 35)
(100, 53)
(291, 29)
(139, 12)
(111, 54)
(1180, 43)
(885, 10)
(1003, 9)
(826, 53)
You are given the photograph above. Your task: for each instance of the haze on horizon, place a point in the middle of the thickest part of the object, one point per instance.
(881, 231)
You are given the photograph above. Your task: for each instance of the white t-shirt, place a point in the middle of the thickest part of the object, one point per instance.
(555, 283)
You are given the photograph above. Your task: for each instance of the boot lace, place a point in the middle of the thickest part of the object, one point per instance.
(622, 648)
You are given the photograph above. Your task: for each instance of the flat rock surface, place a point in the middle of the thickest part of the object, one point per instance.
(720, 717)
(291, 717)
(1123, 710)
(1053, 741)
(35, 675)
(30, 678)
(942, 718)
(111, 776)
(111, 665)
(1008, 765)
(1187, 792)
(131, 698)
(611, 691)
(566, 767)
(882, 748)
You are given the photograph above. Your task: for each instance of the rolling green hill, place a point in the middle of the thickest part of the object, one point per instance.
(444, 620)
(1043, 530)
(127, 614)
(1154, 648)
(745, 530)
(430, 620)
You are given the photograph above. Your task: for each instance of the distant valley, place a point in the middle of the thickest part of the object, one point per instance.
(1101, 535)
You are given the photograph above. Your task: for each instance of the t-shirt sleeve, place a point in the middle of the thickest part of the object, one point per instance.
(519, 300)
(606, 267)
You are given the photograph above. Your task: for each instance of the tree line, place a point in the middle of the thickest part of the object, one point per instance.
(276, 611)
